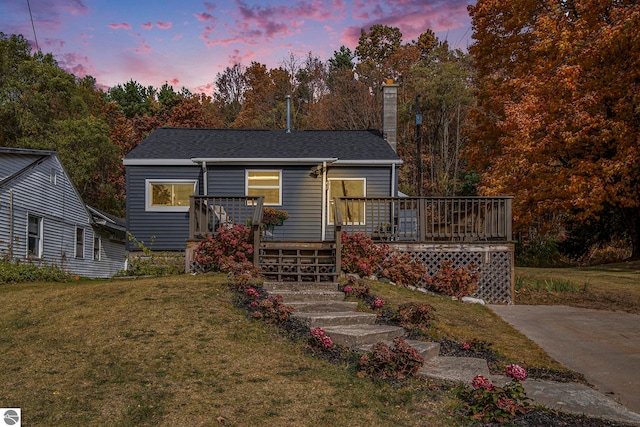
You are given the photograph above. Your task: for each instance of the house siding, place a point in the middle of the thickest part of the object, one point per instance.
(162, 231)
(61, 210)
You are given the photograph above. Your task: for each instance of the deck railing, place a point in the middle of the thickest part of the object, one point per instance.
(208, 213)
(428, 219)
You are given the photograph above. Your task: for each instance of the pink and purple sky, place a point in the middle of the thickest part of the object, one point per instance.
(186, 43)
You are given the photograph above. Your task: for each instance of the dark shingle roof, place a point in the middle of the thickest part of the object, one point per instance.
(235, 144)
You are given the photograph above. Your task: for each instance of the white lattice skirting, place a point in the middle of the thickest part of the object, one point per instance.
(495, 262)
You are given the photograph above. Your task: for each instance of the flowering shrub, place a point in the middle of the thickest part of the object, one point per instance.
(414, 316)
(272, 216)
(517, 372)
(229, 250)
(320, 339)
(403, 269)
(399, 361)
(357, 288)
(360, 255)
(489, 403)
(377, 303)
(457, 282)
(272, 310)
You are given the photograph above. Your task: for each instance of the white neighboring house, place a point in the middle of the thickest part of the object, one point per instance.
(43, 218)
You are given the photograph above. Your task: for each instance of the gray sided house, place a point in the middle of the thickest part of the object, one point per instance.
(298, 171)
(44, 220)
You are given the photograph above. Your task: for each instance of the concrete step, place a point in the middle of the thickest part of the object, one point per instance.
(357, 335)
(428, 350)
(455, 369)
(336, 318)
(302, 296)
(323, 306)
(275, 287)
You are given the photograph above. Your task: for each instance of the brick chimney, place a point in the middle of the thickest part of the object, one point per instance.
(390, 112)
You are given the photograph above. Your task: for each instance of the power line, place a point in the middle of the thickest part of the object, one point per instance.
(33, 26)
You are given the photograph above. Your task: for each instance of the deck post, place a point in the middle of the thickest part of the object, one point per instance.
(337, 221)
(256, 228)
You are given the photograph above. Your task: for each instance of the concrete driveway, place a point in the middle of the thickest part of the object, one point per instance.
(603, 346)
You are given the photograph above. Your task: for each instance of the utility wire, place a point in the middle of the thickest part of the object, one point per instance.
(33, 26)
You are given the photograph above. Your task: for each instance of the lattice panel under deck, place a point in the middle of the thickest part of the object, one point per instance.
(495, 264)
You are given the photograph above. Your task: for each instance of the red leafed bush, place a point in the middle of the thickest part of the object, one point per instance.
(402, 269)
(399, 361)
(361, 255)
(228, 249)
(457, 282)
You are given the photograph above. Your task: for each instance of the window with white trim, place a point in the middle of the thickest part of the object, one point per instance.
(79, 242)
(267, 183)
(97, 243)
(352, 212)
(169, 195)
(34, 236)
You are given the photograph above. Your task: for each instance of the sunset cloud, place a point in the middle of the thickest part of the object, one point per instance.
(204, 17)
(147, 25)
(121, 26)
(164, 25)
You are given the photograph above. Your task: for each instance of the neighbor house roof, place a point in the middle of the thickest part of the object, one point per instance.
(174, 146)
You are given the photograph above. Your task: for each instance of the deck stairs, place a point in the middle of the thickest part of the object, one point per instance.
(304, 275)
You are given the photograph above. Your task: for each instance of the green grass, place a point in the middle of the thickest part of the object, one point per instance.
(174, 351)
(604, 287)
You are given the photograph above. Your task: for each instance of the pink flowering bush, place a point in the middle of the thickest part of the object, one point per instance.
(456, 282)
(361, 255)
(403, 269)
(320, 339)
(490, 403)
(377, 303)
(356, 288)
(399, 361)
(272, 310)
(413, 315)
(516, 372)
(229, 250)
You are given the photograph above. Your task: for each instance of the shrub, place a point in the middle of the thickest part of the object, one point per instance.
(360, 255)
(403, 269)
(489, 403)
(272, 310)
(229, 250)
(539, 250)
(151, 263)
(413, 315)
(14, 271)
(399, 361)
(357, 288)
(319, 339)
(456, 282)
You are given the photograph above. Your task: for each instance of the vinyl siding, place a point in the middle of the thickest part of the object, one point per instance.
(61, 210)
(159, 231)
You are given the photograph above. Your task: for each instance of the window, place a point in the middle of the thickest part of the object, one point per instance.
(79, 242)
(353, 212)
(34, 236)
(267, 183)
(97, 243)
(53, 176)
(169, 195)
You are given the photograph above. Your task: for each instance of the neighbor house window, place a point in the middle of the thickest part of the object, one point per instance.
(79, 242)
(34, 234)
(171, 195)
(352, 212)
(267, 183)
(96, 248)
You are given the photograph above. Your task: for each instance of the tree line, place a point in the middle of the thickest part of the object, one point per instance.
(544, 107)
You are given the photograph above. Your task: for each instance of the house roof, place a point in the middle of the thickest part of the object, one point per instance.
(17, 161)
(176, 146)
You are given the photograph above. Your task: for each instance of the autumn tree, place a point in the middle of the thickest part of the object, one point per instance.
(230, 88)
(557, 121)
